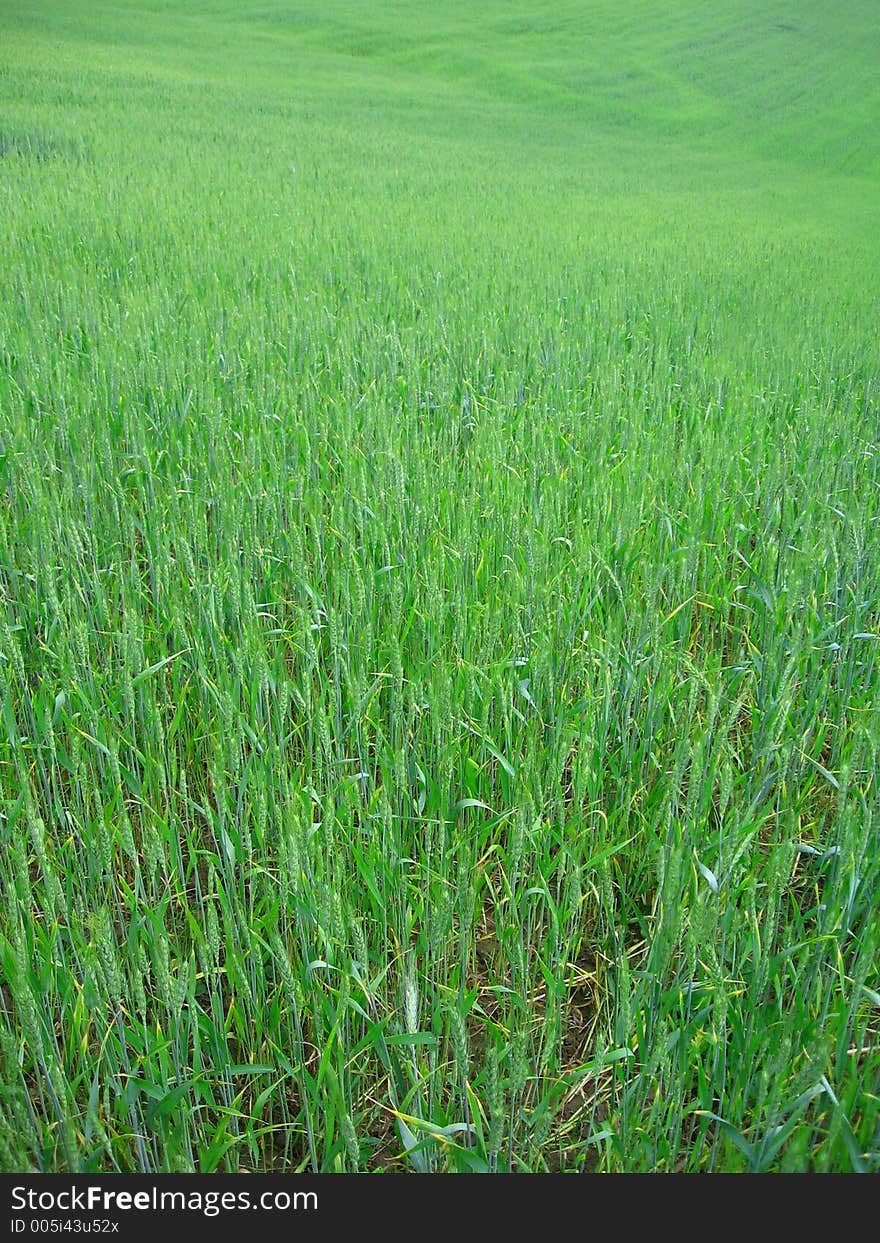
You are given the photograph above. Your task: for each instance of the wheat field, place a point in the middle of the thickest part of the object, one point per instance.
(440, 586)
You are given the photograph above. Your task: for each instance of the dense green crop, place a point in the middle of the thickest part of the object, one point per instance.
(439, 585)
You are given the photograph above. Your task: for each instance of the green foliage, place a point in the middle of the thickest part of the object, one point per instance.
(439, 596)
